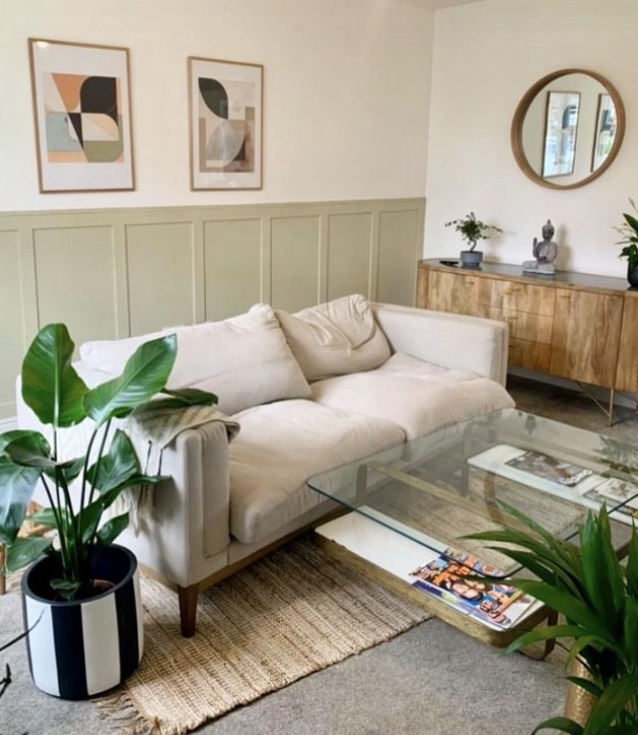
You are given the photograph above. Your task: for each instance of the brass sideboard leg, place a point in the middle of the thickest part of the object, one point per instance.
(608, 411)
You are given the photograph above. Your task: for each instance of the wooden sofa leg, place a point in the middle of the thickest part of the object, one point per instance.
(188, 609)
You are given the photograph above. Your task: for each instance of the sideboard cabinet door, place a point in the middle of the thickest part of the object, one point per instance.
(586, 336)
(627, 373)
(453, 292)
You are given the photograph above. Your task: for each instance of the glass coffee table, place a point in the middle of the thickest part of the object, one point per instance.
(406, 511)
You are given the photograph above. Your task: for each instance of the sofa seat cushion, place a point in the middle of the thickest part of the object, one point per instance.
(280, 446)
(244, 360)
(335, 338)
(418, 396)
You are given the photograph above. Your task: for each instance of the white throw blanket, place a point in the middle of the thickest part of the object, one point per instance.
(151, 430)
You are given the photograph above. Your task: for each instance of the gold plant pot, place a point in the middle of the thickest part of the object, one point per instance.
(578, 702)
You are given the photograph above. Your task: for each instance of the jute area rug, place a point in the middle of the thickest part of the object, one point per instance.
(295, 612)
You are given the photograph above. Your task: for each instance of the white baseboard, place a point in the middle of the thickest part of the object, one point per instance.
(8, 424)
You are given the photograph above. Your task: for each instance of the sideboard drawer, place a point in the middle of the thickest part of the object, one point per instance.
(530, 327)
(530, 355)
(516, 296)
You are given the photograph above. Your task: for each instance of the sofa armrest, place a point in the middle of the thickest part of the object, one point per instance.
(449, 340)
(189, 524)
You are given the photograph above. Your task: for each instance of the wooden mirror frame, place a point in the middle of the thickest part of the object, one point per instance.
(519, 119)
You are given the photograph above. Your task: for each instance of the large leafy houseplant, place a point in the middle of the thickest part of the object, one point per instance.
(629, 232)
(79, 489)
(598, 599)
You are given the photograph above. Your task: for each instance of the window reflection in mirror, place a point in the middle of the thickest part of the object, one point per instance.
(568, 129)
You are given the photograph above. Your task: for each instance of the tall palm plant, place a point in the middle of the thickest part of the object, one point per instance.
(598, 598)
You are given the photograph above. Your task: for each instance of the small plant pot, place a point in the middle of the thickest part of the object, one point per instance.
(632, 276)
(471, 258)
(82, 648)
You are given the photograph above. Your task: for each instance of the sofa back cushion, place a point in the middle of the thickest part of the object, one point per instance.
(335, 338)
(244, 360)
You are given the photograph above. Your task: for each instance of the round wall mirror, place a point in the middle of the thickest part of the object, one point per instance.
(568, 128)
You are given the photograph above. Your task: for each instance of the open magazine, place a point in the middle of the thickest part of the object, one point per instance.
(559, 477)
(447, 578)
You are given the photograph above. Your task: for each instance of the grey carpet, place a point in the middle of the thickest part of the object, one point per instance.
(431, 680)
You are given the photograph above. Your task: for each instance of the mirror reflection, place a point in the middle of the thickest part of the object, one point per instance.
(569, 129)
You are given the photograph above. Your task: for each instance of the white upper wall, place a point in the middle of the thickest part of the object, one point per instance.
(346, 96)
(486, 56)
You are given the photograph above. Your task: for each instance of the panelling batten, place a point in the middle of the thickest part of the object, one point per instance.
(115, 272)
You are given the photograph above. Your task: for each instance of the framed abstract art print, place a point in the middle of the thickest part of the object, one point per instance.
(225, 104)
(82, 111)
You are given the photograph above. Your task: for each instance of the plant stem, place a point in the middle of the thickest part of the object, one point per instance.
(73, 526)
(98, 461)
(58, 521)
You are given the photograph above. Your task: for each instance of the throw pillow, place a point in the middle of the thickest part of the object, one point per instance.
(244, 360)
(335, 338)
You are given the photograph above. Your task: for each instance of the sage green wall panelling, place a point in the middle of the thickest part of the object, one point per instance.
(399, 251)
(11, 323)
(233, 266)
(75, 280)
(295, 262)
(115, 272)
(161, 274)
(349, 254)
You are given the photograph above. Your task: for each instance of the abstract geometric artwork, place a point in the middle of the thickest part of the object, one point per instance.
(82, 116)
(225, 124)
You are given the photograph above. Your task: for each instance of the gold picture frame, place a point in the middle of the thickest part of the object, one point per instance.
(225, 124)
(82, 116)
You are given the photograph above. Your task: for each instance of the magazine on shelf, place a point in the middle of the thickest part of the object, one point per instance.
(549, 468)
(559, 477)
(446, 577)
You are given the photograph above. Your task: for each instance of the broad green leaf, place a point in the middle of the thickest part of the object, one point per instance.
(30, 450)
(66, 587)
(586, 684)
(563, 724)
(632, 565)
(71, 469)
(632, 222)
(580, 644)
(50, 385)
(601, 570)
(145, 374)
(117, 466)
(46, 517)
(543, 634)
(611, 703)
(16, 488)
(23, 551)
(573, 609)
(89, 518)
(9, 436)
(183, 398)
(112, 529)
(518, 538)
(630, 631)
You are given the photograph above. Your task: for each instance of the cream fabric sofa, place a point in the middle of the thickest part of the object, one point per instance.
(311, 392)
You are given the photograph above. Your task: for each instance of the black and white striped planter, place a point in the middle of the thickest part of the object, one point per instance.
(79, 649)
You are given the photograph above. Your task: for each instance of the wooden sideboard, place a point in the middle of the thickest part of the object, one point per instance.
(574, 325)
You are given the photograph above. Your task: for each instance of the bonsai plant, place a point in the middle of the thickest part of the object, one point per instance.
(598, 598)
(629, 232)
(472, 230)
(85, 588)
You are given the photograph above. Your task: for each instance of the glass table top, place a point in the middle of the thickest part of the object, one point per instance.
(459, 480)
